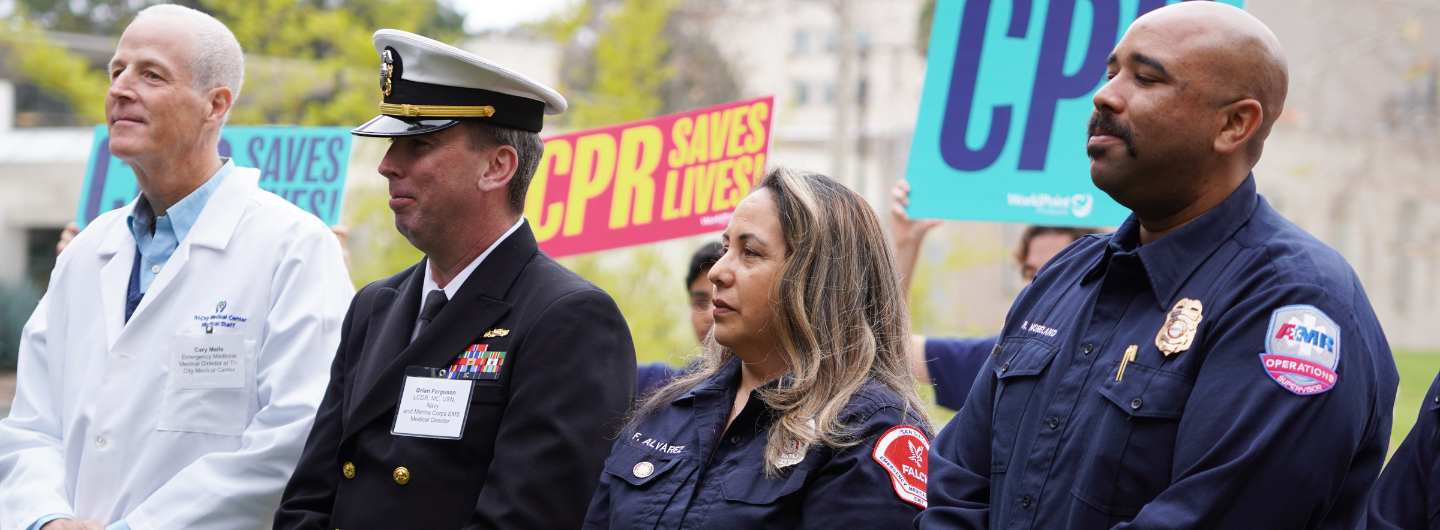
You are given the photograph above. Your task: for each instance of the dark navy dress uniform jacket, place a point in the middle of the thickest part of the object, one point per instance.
(1203, 438)
(705, 479)
(1408, 493)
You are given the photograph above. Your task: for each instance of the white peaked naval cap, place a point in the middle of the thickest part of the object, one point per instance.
(427, 86)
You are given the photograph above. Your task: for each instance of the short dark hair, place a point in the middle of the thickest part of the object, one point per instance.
(1022, 251)
(528, 146)
(701, 262)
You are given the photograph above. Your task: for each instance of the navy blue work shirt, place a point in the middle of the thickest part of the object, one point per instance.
(1228, 433)
(1407, 496)
(653, 376)
(676, 470)
(954, 363)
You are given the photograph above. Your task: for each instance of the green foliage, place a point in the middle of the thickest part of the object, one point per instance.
(56, 70)
(922, 33)
(377, 251)
(630, 65)
(17, 302)
(308, 62)
(649, 288)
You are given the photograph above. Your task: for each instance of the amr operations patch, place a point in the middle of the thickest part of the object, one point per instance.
(904, 452)
(1302, 349)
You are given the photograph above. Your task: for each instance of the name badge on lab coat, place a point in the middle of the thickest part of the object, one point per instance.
(211, 360)
(432, 406)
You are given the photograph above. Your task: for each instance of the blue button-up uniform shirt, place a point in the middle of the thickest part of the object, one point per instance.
(1054, 436)
(156, 246)
(1407, 496)
(954, 363)
(676, 469)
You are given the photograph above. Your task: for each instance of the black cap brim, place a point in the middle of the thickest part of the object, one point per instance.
(389, 127)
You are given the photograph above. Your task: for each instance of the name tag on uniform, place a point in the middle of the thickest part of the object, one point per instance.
(432, 406)
(211, 360)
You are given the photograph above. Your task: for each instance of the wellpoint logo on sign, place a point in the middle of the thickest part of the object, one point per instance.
(1008, 93)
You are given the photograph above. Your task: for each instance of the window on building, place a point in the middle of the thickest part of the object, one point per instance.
(862, 41)
(830, 94)
(36, 108)
(802, 42)
(862, 92)
(40, 255)
(802, 94)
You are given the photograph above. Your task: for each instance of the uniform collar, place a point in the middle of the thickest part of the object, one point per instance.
(1170, 261)
(183, 214)
(727, 379)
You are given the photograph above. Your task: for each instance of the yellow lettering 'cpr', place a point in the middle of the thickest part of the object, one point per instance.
(545, 221)
(639, 156)
(594, 168)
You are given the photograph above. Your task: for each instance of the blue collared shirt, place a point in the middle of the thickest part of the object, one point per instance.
(1407, 496)
(1222, 434)
(953, 363)
(156, 246)
(677, 469)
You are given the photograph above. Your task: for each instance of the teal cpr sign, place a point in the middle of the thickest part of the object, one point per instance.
(304, 165)
(1001, 133)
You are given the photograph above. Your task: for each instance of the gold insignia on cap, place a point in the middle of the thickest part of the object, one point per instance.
(348, 469)
(1179, 329)
(435, 111)
(387, 69)
(497, 332)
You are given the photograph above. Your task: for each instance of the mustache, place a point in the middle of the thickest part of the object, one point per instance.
(1105, 122)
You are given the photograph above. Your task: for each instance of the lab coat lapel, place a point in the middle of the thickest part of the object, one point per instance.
(477, 307)
(212, 229)
(119, 248)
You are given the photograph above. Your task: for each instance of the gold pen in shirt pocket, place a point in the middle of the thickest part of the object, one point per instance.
(1130, 354)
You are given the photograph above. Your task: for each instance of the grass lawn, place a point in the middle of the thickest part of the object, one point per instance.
(1417, 370)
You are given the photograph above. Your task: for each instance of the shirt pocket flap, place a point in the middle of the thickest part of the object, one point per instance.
(635, 466)
(1023, 357)
(1149, 393)
(753, 487)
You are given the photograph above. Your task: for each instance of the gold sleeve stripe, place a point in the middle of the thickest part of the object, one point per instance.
(436, 111)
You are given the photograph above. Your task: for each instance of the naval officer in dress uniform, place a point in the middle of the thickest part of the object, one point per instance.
(482, 387)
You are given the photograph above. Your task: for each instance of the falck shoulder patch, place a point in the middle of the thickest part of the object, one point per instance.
(905, 453)
(1302, 349)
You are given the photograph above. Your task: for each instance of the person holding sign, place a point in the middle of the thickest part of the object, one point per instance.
(171, 373)
(803, 413)
(1185, 371)
(478, 388)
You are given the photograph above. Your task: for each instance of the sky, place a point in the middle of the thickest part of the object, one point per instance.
(481, 15)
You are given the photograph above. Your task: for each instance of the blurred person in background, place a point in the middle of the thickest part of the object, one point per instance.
(803, 413)
(171, 373)
(951, 363)
(655, 375)
(478, 388)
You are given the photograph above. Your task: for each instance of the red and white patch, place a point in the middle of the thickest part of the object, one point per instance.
(905, 453)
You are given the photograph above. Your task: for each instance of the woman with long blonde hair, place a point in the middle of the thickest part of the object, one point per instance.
(802, 412)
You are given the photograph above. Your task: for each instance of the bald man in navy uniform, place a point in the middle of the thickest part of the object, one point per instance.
(480, 388)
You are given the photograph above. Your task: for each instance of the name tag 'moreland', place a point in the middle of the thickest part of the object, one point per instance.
(211, 360)
(432, 407)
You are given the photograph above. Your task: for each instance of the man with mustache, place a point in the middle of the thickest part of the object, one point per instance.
(482, 387)
(171, 373)
(1185, 371)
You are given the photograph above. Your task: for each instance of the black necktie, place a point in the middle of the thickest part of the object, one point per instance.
(434, 302)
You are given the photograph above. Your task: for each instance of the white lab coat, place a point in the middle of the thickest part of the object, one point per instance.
(97, 430)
